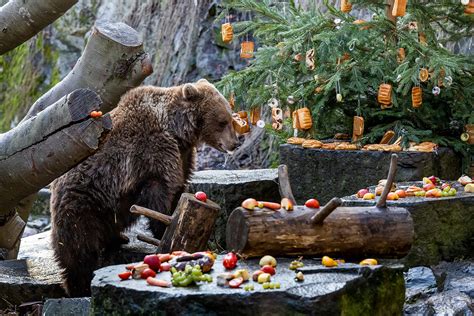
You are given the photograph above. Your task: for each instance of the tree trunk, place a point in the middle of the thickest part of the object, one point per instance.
(20, 20)
(46, 146)
(113, 62)
(348, 232)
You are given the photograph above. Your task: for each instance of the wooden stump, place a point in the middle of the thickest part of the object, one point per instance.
(347, 232)
(190, 226)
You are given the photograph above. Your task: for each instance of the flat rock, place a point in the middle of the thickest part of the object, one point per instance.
(419, 282)
(444, 227)
(348, 289)
(67, 306)
(229, 188)
(329, 173)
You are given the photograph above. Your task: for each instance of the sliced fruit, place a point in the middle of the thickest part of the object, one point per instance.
(125, 275)
(268, 260)
(368, 262)
(242, 273)
(328, 262)
(286, 204)
(268, 269)
(249, 204)
(235, 283)
(270, 205)
(312, 203)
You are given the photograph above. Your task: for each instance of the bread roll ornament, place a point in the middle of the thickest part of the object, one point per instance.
(296, 122)
(246, 49)
(399, 7)
(346, 6)
(416, 97)
(401, 55)
(358, 128)
(385, 95)
(254, 116)
(227, 33)
(240, 125)
(304, 118)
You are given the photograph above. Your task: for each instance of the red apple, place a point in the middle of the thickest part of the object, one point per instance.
(153, 261)
(201, 196)
(268, 269)
(434, 180)
(362, 192)
(312, 203)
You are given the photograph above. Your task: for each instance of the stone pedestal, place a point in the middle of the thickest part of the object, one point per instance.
(346, 290)
(324, 174)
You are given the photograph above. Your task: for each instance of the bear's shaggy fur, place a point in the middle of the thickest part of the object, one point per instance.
(147, 159)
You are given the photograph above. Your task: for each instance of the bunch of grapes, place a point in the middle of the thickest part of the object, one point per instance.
(190, 275)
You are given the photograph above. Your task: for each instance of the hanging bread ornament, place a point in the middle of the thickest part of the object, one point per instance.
(255, 115)
(304, 118)
(361, 22)
(422, 38)
(242, 114)
(424, 74)
(442, 75)
(247, 49)
(277, 117)
(227, 33)
(298, 57)
(295, 121)
(413, 26)
(469, 9)
(358, 128)
(385, 95)
(240, 125)
(310, 59)
(399, 7)
(401, 55)
(416, 97)
(232, 100)
(346, 6)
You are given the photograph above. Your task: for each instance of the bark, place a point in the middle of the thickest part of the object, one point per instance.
(47, 145)
(113, 62)
(20, 20)
(191, 225)
(348, 232)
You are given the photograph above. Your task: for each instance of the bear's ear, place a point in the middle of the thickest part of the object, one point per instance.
(190, 92)
(202, 81)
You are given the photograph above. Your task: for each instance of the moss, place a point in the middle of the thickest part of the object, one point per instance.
(25, 74)
(384, 296)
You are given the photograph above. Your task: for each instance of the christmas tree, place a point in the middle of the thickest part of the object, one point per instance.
(329, 60)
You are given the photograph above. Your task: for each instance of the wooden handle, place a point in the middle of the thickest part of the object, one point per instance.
(388, 186)
(148, 240)
(284, 181)
(326, 210)
(165, 219)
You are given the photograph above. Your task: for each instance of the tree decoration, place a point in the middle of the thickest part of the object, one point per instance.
(277, 117)
(358, 128)
(436, 91)
(401, 55)
(361, 22)
(422, 38)
(227, 33)
(232, 100)
(346, 6)
(464, 2)
(290, 100)
(416, 97)
(385, 95)
(295, 121)
(247, 49)
(310, 59)
(298, 57)
(305, 121)
(469, 9)
(240, 125)
(413, 26)
(423, 75)
(399, 7)
(255, 115)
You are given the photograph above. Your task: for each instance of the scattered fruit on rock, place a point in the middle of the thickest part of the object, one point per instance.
(268, 269)
(465, 180)
(242, 273)
(368, 262)
(249, 287)
(362, 192)
(165, 266)
(249, 204)
(153, 262)
(369, 196)
(401, 194)
(299, 277)
(392, 196)
(434, 193)
(428, 186)
(230, 261)
(312, 203)
(434, 180)
(147, 273)
(427, 180)
(125, 275)
(264, 277)
(156, 282)
(235, 283)
(270, 205)
(469, 188)
(420, 193)
(296, 264)
(286, 204)
(328, 262)
(268, 260)
(256, 274)
(201, 196)
(138, 269)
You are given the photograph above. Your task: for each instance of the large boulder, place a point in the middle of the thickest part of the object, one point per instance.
(328, 173)
(346, 290)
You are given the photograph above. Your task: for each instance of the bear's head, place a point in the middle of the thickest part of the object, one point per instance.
(214, 115)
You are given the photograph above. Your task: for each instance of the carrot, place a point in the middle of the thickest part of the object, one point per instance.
(270, 205)
(164, 257)
(157, 282)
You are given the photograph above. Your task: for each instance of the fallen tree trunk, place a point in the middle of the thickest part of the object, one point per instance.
(20, 20)
(113, 62)
(41, 149)
(348, 232)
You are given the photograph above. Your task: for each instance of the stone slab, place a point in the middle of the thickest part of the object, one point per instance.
(444, 227)
(229, 188)
(67, 306)
(325, 174)
(349, 289)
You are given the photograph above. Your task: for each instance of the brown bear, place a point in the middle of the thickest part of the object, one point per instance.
(146, 159)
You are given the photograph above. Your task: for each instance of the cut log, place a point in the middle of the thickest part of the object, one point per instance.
(348, 232)
(20, 20)
(148, 240)
(191, 225)
(46, 146)
(284, 183)
(113, 62)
